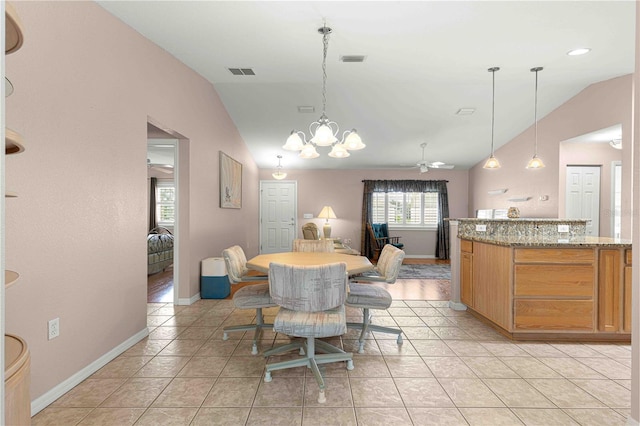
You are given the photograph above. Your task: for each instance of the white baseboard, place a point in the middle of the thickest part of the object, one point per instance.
(193, 299)
(43, 401)
(420, 256)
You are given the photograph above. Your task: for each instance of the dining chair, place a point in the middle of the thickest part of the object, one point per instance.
(254, 296)
(316, 246)
(311, 300)
(379, 235)
(364, 295)
(310, 231)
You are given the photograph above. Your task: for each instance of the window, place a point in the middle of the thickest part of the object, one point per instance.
(406, 209)
(165, 203)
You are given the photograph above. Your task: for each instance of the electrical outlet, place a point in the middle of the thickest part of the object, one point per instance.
(54, 328)
(563, 228)
(481, 228)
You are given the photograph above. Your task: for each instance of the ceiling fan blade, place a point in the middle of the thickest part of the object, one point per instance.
(440, 165)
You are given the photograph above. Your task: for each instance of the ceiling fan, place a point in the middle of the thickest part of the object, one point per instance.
(425, 165)
(163, 168)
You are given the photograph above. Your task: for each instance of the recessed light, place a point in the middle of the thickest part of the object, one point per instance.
(579, 51)
(306, 109)
(466, 111)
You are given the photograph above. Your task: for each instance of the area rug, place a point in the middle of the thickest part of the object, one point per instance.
(426, 272)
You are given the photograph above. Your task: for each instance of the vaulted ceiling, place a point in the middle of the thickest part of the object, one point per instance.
(424, 61)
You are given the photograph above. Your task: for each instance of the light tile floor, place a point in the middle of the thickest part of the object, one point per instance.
(450, 370)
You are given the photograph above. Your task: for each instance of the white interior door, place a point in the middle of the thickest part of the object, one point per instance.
(583, 196)
(278, 213)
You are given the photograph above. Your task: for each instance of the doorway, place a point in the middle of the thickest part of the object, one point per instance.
(162, 164)
(278, 215)
(583, 196)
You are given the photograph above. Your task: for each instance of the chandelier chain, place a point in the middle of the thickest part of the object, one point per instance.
(493, 105)
(325, 42)
(535, 115)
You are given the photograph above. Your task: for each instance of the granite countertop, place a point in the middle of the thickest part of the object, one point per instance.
(522, 219)
(551, 241)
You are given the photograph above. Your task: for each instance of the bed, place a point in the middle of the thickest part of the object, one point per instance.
(159, 250)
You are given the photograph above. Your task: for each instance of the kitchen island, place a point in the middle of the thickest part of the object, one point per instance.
(531, 281)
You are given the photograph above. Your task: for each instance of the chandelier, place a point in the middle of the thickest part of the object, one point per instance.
(535, 162)
(278, 173)
(492, 161)
(324, 132)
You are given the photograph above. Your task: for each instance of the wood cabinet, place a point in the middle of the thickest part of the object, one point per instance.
(492, 283)
(556, 292)
(466, 272)
(609, 291)
(626, 293)
(553, 289)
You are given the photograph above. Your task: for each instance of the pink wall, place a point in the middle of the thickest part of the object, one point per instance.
(342, 190)
(85, 87)
(599, 106)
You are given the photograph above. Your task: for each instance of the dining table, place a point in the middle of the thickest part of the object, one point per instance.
(355, 264)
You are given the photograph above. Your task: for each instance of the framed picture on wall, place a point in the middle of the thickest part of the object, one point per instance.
(230, 182)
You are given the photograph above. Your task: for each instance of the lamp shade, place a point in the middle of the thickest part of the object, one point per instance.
(535, 163)
(279, 174)
(492, 163)
(353, 141)
(309, 151)
(339, 151)
(327, 213)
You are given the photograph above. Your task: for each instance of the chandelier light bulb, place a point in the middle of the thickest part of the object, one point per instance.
(535, 163)
(492, 163)
(339, 151)
(308, 152)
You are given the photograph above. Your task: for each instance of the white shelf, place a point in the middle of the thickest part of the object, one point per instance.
(10, 277)
(13, 142)
(14, 36)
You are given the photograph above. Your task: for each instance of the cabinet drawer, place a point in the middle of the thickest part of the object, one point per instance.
(570, 315)
(554, 255)
(466, 246)
(553, 280)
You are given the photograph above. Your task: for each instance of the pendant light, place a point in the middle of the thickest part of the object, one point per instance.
(323, 131)
(492, 161)
(536, 162)
(279, 174)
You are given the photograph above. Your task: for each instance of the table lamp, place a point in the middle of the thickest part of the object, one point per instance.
(327, 213)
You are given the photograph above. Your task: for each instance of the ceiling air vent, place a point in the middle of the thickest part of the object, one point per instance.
(352, 58)
(241, 71)
(306, 109)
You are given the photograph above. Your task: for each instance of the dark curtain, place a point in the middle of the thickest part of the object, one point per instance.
(439, 186)
(153, 221)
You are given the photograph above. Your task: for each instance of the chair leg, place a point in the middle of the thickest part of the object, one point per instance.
(258, 326)
(366, 326)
